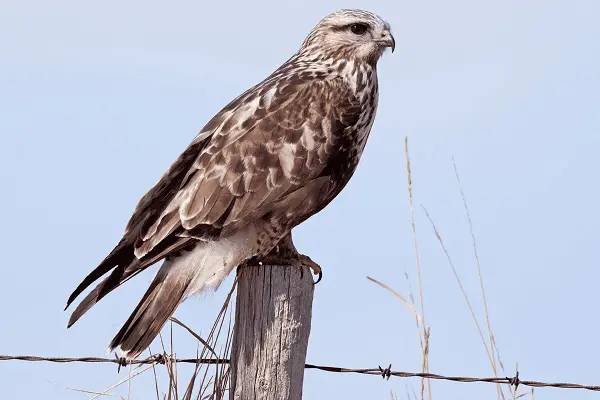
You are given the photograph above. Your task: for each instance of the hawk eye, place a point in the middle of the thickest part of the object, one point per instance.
(359, 29)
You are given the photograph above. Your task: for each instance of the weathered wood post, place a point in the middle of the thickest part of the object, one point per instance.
(272, 326)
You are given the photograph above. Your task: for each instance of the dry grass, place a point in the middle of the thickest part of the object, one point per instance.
(424, 338)
(423, 331)
(483, 297)
(487, 339)
(207, 381)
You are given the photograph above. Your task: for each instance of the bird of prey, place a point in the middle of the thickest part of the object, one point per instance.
(274, 156)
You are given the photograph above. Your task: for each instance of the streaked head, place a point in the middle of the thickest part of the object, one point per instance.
(350, 34)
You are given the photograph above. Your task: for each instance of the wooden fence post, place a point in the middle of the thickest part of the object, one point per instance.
(272, 325)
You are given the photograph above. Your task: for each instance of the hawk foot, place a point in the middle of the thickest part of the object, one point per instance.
(293, 260)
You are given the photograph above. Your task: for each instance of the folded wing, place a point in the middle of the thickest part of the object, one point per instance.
(265, 147)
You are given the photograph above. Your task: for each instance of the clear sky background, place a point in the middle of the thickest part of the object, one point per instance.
(98, 98)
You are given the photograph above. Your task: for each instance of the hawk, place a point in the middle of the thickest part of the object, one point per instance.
(274, 156)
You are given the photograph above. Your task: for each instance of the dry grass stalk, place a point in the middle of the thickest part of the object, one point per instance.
(424, 331)
(425, 335)
(96, 393)
(130, 376)
(410, 306)
(106, 393)
(462, 289)
(155, 376)
(483, 297)
(194, 334)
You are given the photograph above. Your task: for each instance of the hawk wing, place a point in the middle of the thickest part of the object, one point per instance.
(270, 145)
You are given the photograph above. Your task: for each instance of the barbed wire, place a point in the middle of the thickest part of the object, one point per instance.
(386, 373)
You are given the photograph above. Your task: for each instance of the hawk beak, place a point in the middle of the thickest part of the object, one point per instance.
(387, 40)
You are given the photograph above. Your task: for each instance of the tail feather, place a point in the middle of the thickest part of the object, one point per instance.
(190, 271)
(116, 278)
(165, 293)
(122, 254)
(125, 270)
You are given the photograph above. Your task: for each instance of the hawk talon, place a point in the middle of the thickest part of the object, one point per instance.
(294, 260)
(319, 278)
(308, 262)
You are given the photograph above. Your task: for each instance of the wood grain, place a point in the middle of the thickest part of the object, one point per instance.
(272, 327)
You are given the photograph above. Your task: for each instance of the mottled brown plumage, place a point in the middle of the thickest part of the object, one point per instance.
(273, 157)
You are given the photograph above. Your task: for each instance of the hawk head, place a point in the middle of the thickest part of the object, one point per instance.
(349, 34)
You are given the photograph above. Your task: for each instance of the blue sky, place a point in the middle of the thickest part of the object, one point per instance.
(97, 99)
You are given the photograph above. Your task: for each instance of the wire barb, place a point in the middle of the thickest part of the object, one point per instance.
(158, 358)
(514, 381)
(121, 361)
(386, 373)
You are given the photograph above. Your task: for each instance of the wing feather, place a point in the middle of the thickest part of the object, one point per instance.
(272, 145)
(200, 197)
